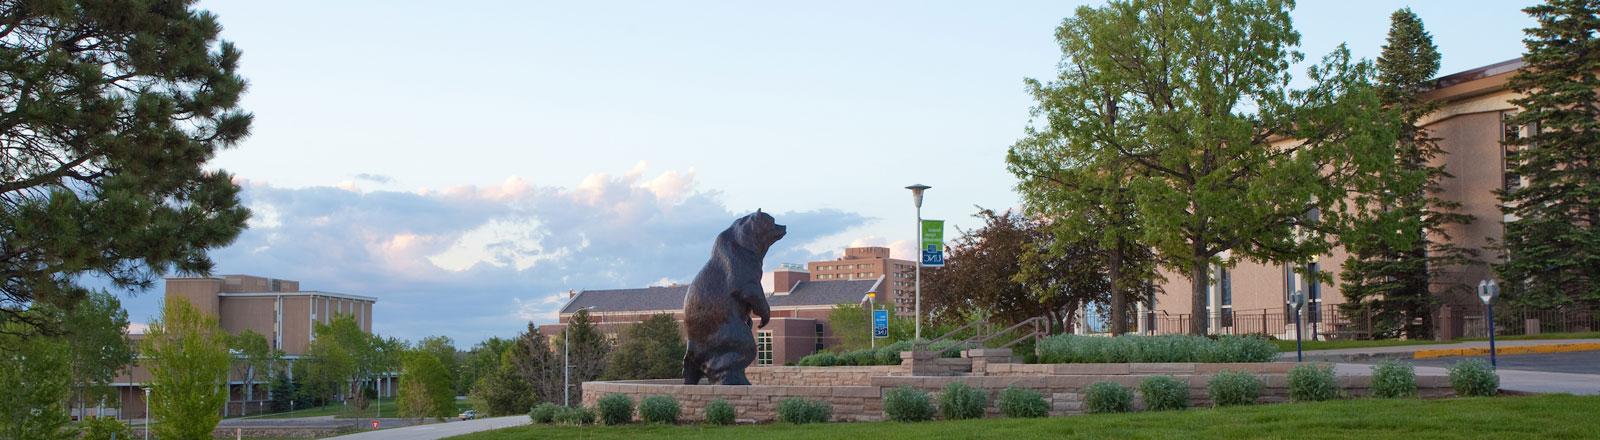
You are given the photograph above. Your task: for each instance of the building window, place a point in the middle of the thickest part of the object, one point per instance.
(764, 347)
(819, 337)
(1509, 134)
(1313, 294)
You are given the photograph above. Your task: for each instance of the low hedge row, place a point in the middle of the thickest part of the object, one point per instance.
(885, 355)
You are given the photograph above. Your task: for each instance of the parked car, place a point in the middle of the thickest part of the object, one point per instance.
(468, 415)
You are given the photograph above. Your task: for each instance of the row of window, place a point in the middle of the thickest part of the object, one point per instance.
(845, 267)
(1224, 284)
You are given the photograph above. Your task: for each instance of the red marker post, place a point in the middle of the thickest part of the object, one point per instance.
(374, 424)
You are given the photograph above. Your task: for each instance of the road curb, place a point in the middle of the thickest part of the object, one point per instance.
(1518, 349)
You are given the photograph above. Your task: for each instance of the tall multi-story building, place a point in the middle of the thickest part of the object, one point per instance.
(274, 308)
(870, 263)
(1471, 129)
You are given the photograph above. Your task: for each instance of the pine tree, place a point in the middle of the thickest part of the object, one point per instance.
(1552, 242)
(109, 112)
(651, 349)
(589, 351)
(1393, 266)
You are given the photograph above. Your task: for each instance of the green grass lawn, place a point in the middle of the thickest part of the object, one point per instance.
(1288, 346)
(1531, 417)
(388, 407)
(1543, 336)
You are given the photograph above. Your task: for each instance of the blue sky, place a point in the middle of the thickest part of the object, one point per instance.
(468, 163)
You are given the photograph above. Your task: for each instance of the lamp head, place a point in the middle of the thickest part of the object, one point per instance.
(916, 193)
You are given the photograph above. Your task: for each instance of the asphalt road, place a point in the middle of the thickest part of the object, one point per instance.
(438, 430)
(1578, 362)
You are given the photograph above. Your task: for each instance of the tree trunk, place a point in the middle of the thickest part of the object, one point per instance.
(1119, 299)
(1199, 276)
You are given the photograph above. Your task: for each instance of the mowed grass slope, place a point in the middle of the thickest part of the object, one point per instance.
(1531, 417)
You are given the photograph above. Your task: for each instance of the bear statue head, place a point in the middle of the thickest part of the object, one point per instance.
(757, 231)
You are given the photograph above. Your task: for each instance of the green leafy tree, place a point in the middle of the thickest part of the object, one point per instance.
(253, 356)
(851, 325)
(109, 112)
(505, 391)
(480, 362)
(1552, 240)
(425, 386)
(345, 358)
(589, 350)
(651, 349)
(97, 344)
(33, 404)
(188, 361)
(1189, 101)
(445, 349)
(1393, 266)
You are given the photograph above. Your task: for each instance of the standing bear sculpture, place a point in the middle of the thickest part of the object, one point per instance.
(721, 299)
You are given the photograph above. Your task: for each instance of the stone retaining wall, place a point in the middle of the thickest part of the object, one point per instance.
(856, 393)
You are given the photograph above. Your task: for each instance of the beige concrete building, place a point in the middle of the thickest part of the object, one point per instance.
(1472, 130)
(274, 308)
(870, 263)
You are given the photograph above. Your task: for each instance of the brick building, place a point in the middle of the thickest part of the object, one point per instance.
(870, 263)
(1471, 128)
(276, 309)
(799, 324)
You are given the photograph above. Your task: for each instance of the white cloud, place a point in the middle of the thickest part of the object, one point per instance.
(471, 262)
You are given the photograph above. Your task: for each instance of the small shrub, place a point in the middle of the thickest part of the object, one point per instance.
(544, 412)
(959, 401)
(1107, 397)
(1164, 393)
(1233, 388)
(1164, 348)
(573, 415)
(801, 411)
(104, 428)
(823, 359)
(887, 357)
(1474, 377)
(1394, 379)
(719, 412)
(860, 357)
(1022, 403)
(1312, 383)
(659, 409)
(615, 409)
(907, 404)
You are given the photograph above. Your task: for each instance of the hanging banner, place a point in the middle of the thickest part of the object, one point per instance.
(933, 243)
(880, 323)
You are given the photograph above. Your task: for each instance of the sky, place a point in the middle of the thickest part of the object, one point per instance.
(468, 163)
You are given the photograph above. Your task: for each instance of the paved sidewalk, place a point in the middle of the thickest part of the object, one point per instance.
(1406, 351)
(1512, 380)
(438, 430)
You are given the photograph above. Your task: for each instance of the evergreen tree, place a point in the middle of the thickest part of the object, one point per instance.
(109, 112)
(1552, 242)
(589, 350)
(284, 392)
(480, 362)
(535, 363)
(651, 349)
(1393, 267)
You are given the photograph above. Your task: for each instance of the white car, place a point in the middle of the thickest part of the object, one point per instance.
(468, 415)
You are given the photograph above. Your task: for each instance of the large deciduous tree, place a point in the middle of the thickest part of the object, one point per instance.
(425, 386)
(252, 356)
(109, 112)
(187, 354)
(33, 404)
(97, 343)
(343, 356)
(1395, 233)
(651, 349)
(1189, 101)
(480, 362)
(1552, 237)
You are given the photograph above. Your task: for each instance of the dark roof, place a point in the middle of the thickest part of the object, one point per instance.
(1478, 73)
(823, 293)
(629, 300)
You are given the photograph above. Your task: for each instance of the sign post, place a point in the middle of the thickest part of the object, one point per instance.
(1487, 291)
(1297, 300)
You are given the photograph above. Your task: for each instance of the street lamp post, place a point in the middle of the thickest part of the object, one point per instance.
(1487, 291)
(916, 196)
(566, 359)
(872, 330)
(146, 413)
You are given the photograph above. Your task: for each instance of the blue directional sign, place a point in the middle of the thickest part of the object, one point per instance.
(880, 323)
(933, 257)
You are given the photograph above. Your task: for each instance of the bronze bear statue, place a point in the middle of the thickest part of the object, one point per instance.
(717, 308)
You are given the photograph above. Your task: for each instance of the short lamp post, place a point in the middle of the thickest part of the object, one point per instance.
(916, 197)
(1488, 291)
(566, 359)
(146, 413)
(1297, 300)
